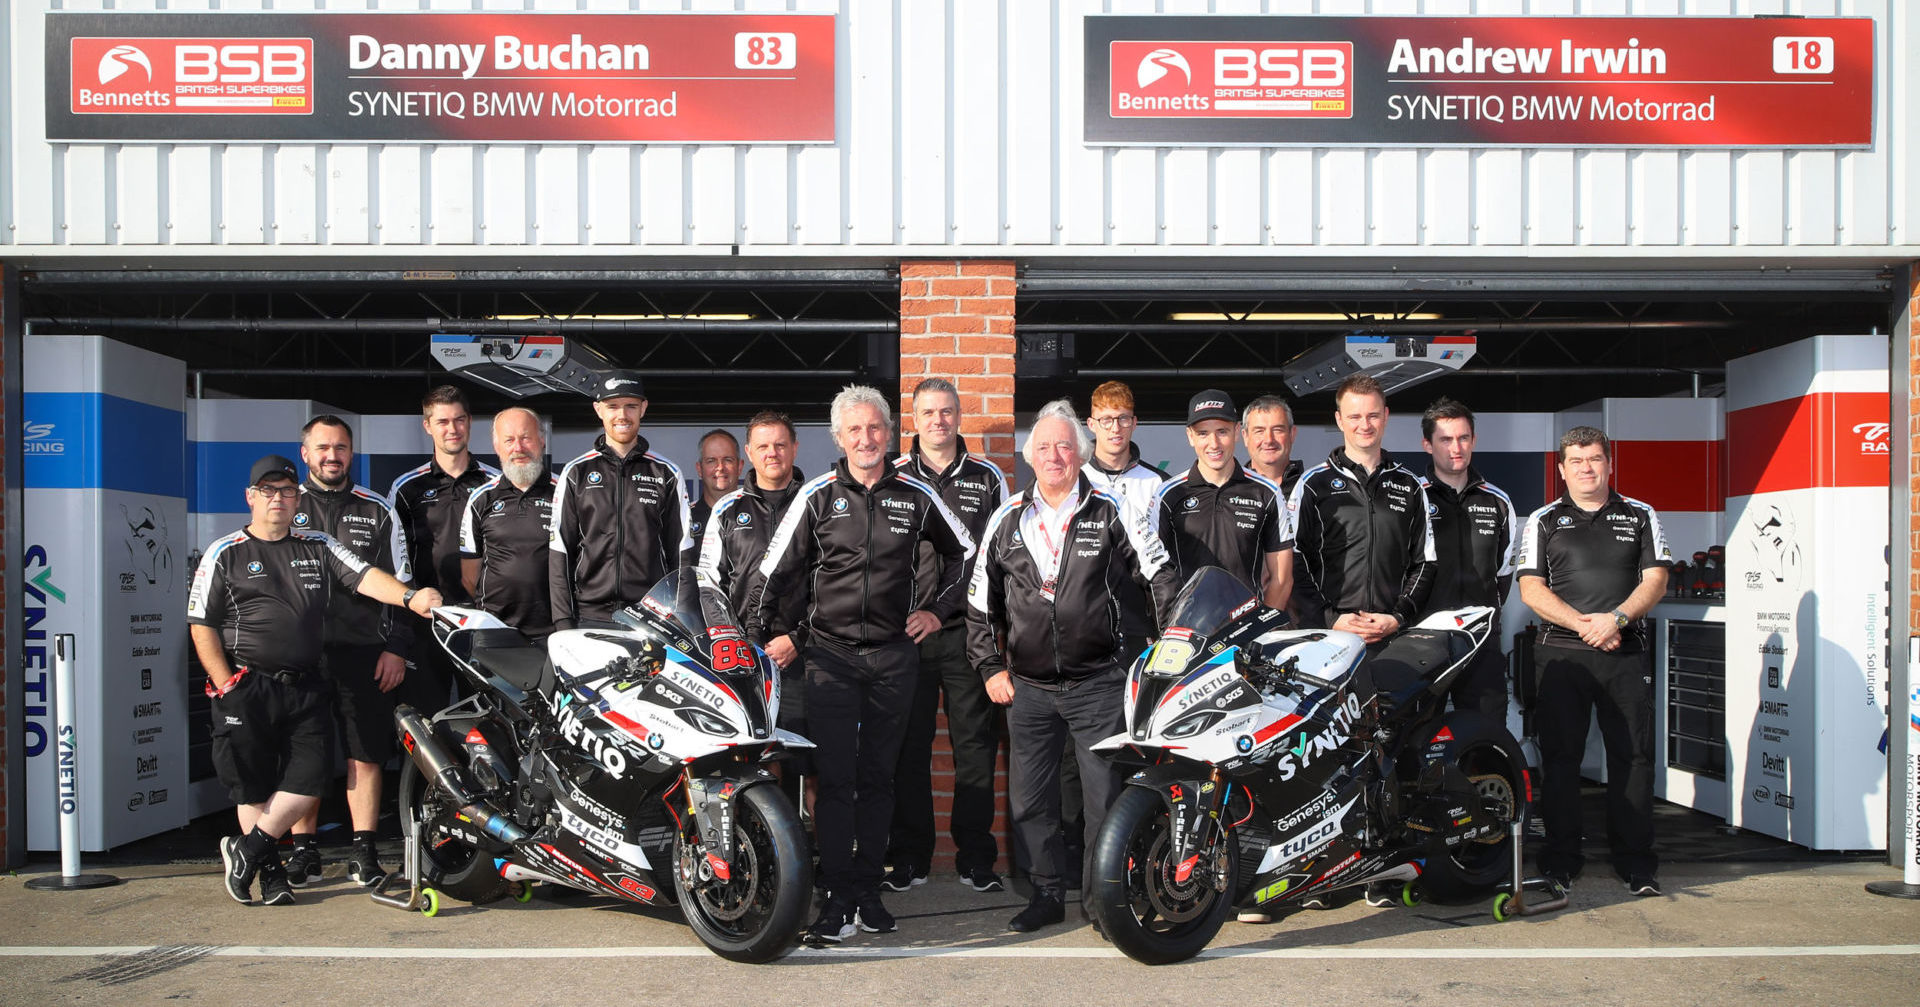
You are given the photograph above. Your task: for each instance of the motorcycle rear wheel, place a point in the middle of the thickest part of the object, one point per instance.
(754, 915)
(1141, 906)
(1488, 756)
(452, 866)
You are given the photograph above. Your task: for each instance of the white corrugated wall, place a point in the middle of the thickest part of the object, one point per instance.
(959, 125)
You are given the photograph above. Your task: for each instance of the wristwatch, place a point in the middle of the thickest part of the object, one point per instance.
(406, 600)
(1620, 619)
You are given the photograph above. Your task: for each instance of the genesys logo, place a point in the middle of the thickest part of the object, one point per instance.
(191, 76)
(1230, 80)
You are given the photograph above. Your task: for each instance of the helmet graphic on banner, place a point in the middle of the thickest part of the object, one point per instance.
(1159, 63)
(120, 59)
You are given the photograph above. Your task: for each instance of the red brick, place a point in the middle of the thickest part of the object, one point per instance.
(993, 384)
(1002, 268)
(921, 307)
(936, 344)
(964, 286)
(922, 270)
(986, 344)
(1000, 325)
(1000, 364)
(912, 325)
(969, 324)
(988, 307)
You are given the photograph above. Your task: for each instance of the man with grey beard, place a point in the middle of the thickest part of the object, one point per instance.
(503, 535)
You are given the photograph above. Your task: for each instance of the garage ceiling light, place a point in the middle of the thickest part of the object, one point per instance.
(1297, 316)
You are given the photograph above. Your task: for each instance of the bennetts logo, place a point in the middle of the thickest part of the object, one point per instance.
(122, 58)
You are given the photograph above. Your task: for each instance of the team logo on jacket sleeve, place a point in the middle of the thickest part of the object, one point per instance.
(300, 519)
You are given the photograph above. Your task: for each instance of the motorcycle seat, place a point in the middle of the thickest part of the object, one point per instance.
(506, 655)
(1405, 665)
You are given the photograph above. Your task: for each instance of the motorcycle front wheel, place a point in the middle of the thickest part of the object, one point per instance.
(448, 864)
(754, 914)
(1144, 906)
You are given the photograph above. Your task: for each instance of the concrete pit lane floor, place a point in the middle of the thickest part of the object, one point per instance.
(1793, 932)
(1745, 919)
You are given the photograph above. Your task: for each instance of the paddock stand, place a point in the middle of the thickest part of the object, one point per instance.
(425, 900)
(1513, 902)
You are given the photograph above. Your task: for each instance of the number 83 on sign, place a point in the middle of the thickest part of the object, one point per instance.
(766, 50)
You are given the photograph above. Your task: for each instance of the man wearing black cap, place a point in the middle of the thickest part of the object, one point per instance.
(619, 515)
(257, 613)
(1219, 514)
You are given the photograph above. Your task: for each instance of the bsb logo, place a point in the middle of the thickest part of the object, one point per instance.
(191, 76)
(1186, 79)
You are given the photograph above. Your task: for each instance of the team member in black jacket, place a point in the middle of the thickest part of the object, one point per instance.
(1219, 514)
(719, 473)
(619, 517)
(1044, 631)
(972, 488)
(1592, 565)
(730, 553)
(1473, 532)
(848, 544)
(367, 643)
(503, 534)
(1363, 547)
(1267, 426)
(257, 614)
(429, 501)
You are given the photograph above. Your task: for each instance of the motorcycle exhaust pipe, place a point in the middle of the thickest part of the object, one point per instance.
(451, 778)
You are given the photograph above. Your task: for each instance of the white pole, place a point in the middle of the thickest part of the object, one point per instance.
(67, 744)
(66, 726)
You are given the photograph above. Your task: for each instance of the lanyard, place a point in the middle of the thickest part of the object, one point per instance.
(1053, 549)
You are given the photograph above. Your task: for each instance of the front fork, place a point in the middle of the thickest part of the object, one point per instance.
(1195, 828)
(710, 801)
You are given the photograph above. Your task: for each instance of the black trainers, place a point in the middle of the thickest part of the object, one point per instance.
(1559, 879)
(1045, 909)
(274, 887)
(981, 879)
(1643, 885)
(899, 879)
(1317, 901)
(303, 866)
(363, 866)
(1383, 894)
(834, 925)
(240, 870)
(872, 916)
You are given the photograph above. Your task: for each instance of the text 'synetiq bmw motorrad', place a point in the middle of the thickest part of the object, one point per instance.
(1283, 762)
(629, 764)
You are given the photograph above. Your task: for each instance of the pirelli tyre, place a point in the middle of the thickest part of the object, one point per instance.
(1143, 905)
(446, 863)
(752, 914)
(1492, 761)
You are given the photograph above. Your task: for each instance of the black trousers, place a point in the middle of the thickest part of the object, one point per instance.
(857, 704)
(1040, 723)
(1482, 685)
(1616, 689)
(973, 731)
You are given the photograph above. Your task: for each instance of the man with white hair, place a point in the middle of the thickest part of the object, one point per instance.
(848, 544)
(503, 534)
(1044, 631)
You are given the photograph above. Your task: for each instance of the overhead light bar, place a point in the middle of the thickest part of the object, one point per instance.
(1297, 316)
(1396, 361)
(624, 318)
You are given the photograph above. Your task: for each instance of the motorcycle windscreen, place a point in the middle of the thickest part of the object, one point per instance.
(691, 607)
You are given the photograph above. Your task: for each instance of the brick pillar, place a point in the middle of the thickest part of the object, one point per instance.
(956, 322)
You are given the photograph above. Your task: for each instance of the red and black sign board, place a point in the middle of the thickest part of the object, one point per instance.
(1482, 82)
(441, 78)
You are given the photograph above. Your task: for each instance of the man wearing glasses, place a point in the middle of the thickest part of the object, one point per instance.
(257, 613)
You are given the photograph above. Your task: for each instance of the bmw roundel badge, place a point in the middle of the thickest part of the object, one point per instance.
(499, 505)
(744, 519)
(1339, 484)
(253, 567)
(594, 478)
(300, 519)
(1244, 743)
(840, 504)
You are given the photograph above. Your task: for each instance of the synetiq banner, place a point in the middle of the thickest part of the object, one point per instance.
(104, 465)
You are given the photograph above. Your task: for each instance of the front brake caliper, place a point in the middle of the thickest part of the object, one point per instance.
(712, 804)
